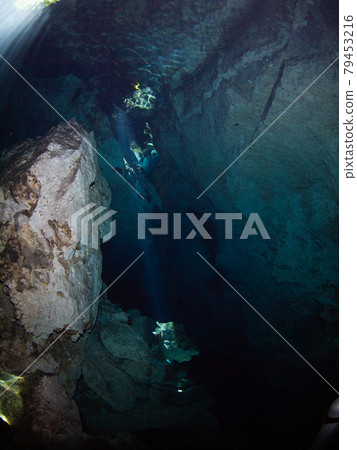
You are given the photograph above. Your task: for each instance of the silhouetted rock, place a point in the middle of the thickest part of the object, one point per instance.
(130, 380)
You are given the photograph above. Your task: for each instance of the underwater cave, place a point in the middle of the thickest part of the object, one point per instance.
(168, 223)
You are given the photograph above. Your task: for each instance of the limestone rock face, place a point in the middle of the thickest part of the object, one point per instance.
(123, 342)
(47, 276)
(49, 279)
(289, 176)
(56, 419)
(183, 34)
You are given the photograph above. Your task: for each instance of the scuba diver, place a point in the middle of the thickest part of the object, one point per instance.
(135, 135)
(147, 156)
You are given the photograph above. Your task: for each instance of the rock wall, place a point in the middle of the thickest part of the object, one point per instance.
(289, 176)
(48, 278)
(132, 375)
(44, 183)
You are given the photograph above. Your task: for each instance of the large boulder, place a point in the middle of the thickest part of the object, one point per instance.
(47, 277)
(128, 383)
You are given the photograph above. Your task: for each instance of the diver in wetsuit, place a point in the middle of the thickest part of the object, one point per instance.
(137, 147)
